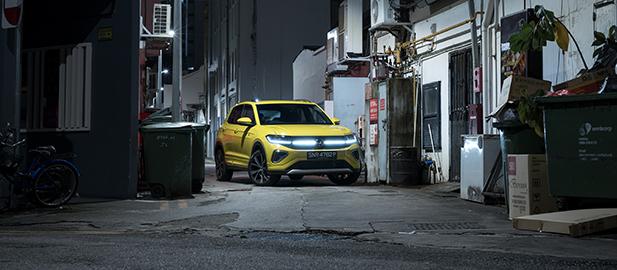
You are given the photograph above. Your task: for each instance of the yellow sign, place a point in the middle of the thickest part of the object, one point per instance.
(105, 34)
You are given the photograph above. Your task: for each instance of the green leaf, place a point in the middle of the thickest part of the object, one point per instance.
(599, 36)
(596, 43)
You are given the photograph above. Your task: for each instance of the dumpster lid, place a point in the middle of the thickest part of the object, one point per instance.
(575, 98)
(165, 126)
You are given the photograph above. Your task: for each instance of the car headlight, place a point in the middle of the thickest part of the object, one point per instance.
(351, 139)
(276, 139)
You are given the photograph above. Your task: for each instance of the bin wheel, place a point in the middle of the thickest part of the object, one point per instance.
(157, 190)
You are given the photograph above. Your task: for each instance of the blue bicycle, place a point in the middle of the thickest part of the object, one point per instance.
(47, 181)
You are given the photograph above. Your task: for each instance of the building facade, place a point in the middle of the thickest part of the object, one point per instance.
(250, 49)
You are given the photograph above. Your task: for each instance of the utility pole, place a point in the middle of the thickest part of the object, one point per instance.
(177, 62)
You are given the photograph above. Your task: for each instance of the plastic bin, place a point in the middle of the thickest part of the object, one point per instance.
(581, 145)
(199, 158)
(168, 159)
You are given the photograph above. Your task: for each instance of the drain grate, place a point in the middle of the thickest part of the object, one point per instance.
(445, 226)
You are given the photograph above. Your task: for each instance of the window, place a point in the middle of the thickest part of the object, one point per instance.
(431, 114)
(248, 112)
(56, 88)
(235, 114)
(273, 114)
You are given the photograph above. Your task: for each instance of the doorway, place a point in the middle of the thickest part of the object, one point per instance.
(461, 79)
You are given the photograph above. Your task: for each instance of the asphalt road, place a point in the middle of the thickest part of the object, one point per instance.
(310, 224)
(253, 251)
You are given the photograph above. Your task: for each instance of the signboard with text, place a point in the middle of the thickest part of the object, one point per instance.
(373, 111)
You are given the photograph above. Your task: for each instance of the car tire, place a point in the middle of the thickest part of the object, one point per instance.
(344, 179)
(222, 172)
(296, 177)
(258, 170)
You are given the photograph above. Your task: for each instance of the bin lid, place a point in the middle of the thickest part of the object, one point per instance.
(547, 101)
(175, 126)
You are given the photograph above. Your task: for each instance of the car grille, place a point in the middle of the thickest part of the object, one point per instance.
(320, 164)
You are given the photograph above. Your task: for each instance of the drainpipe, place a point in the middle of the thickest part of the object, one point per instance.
(176, 109)
(474, 40)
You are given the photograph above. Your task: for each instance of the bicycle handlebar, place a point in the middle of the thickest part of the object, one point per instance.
(14, 144)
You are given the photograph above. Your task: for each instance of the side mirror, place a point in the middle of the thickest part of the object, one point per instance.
(336, 121)
(245, 121)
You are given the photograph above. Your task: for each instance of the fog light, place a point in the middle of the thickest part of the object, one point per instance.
(356, 154)
(278, 155)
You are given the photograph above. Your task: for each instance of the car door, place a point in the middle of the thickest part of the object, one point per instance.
(230, 129)
(246, 136)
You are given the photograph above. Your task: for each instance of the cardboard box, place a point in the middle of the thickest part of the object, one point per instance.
(528, 191)
(515, 87)
(575, 223)
(584, 80)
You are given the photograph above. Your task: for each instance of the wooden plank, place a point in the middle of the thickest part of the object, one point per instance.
(574, 223)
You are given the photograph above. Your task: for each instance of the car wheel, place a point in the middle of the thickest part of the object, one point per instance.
(296, 177)
(222, 172)
(258, 170)
(344, 179)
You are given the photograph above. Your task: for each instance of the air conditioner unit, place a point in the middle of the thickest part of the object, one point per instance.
(332, 46)
(161, 19)
(350, 28)
(382, 12)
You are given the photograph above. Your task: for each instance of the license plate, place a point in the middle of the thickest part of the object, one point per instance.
(321, 155)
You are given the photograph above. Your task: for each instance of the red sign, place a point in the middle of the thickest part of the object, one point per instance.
(382, 104)
(373, 111)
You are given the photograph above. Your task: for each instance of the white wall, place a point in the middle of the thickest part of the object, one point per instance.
(348, 98)
(577, 15)
(192, 88)
(308, 75)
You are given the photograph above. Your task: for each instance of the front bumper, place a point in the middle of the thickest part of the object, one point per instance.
(297, 163)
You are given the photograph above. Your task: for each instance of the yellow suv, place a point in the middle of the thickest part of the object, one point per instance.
(294, 138)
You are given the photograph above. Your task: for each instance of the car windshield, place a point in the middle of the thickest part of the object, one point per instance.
(281, 114)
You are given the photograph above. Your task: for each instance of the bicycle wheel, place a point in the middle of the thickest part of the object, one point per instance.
(55, 185)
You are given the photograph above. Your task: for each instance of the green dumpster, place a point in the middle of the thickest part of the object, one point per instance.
(168, 159)
(581, 145)
(199, 158)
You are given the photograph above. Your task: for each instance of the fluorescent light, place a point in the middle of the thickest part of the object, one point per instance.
(165, 71)
(171, 33)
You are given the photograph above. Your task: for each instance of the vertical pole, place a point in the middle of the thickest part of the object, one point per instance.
(159, 81)
(17, 80)
(177, 62)
(475, 55)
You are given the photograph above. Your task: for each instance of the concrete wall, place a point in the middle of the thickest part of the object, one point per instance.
(308, 75)
(107, 154)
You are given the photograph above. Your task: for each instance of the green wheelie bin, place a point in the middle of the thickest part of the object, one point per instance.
(168, 159)
(199, 158)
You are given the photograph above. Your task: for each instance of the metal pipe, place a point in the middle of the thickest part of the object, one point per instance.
(429, 37)
(176, 106)
(159, 81)
(475, 54)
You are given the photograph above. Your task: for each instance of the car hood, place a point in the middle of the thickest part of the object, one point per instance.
(309, 130)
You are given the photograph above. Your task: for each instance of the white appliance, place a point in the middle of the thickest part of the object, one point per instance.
(161, 22)
(382, 12)
(332, 46)
(479, 155)
(350, 28)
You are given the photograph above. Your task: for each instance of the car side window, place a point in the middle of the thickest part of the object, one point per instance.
(248, 112)
(235, 114)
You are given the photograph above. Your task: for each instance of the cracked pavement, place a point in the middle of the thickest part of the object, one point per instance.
(312, 212)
